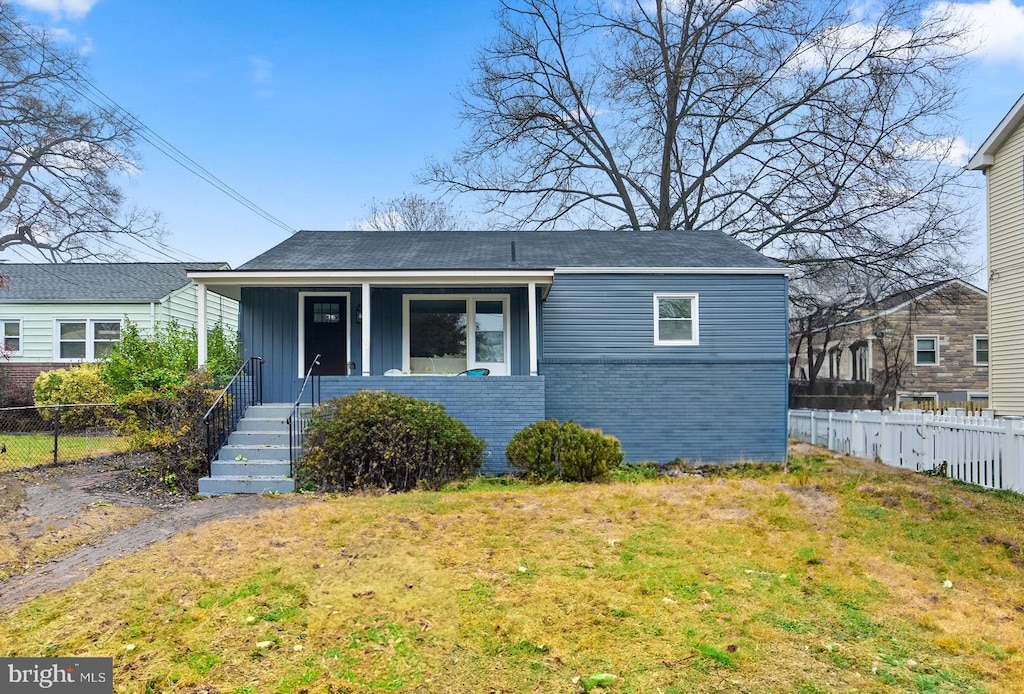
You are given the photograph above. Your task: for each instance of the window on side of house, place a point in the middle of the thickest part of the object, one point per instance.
(926, 350)
(10, 331)
(86, 339)
(981, 350)
(835, 362)
(676, 319)
(859, 359)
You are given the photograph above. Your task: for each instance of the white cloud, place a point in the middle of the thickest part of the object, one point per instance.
(261, 70)
(72, 9)
(85, 45)
(261, 74)
(996, 27)
(953, 151)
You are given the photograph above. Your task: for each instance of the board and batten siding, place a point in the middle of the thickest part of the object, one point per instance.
(269, 329)
(1005, 186)
(721, 400)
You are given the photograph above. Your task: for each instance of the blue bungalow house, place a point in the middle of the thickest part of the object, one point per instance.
(674, 342)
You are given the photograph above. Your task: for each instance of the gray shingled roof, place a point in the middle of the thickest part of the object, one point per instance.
(96, 282)
(492, 250)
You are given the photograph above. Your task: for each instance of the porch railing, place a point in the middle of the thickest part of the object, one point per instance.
(299, 418)
(244, 389)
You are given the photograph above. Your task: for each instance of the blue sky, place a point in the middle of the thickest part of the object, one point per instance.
(311, 109)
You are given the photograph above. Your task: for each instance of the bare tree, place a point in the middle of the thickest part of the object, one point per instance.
(60, 153)
(809, 130)
(412, 212)
(821, 302)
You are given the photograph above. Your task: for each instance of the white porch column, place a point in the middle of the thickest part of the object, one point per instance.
(532, 303)
(201, 321)
(365, 309)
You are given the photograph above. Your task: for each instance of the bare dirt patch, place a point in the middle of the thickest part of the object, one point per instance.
(59, 522)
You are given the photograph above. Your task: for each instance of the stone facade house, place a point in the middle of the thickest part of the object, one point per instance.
(925, 344)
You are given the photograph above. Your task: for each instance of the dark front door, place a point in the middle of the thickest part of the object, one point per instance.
(326, 334)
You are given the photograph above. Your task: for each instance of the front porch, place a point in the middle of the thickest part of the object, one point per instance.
(255, 458)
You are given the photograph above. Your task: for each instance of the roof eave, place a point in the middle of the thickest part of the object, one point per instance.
(283, 278)
(985, 156)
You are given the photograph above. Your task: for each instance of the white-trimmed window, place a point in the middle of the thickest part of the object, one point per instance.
(451, 333)
(85, 339)
(981, 350)
(926, 350)
(675, 319)
(10, 332)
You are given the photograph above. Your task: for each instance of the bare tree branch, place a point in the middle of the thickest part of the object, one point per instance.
(811, 131)
(60, 153)
(412, 212)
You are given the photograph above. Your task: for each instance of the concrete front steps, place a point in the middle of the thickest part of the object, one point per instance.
(255, 458)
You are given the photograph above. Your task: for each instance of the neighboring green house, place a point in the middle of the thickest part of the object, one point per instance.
(52, 316)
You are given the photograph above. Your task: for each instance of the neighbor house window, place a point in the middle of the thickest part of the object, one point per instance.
(11, 333)
(446, 334)
(859, 359)
(86, 339)
(675, 319)
(835, 357)
(926, 350)
(981, 350)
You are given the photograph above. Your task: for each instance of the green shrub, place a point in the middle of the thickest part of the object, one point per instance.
(547, 451)
(162, 359)
(81, 384)
(386, 440)
(533, 451)
(171, 425)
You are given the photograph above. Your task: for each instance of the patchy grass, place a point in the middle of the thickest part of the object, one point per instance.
(839, 575)
(28, 542)
(29, 450)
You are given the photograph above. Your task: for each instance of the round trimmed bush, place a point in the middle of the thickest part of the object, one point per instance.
(547, 451)
(386, 440)
(76, 385)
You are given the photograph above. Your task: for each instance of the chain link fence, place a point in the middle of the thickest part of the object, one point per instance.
(31, 436)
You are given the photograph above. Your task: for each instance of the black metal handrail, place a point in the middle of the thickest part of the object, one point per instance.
(298, 420)
(244, 389)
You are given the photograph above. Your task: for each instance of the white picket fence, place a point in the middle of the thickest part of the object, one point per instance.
(979, 449)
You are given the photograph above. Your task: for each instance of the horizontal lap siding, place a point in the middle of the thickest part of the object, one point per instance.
(1005, 182)
(721, 400)
(37, 323)
(182, 306)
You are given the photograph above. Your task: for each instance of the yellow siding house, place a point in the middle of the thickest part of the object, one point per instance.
(1001, 159)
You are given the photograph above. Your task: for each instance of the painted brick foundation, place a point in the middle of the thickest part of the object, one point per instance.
(494, 408)
(708, 412)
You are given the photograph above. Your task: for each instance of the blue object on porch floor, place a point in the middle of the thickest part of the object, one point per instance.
(475, 372)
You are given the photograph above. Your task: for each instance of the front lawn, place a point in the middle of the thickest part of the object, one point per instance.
(840, 575)
(19, 451)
